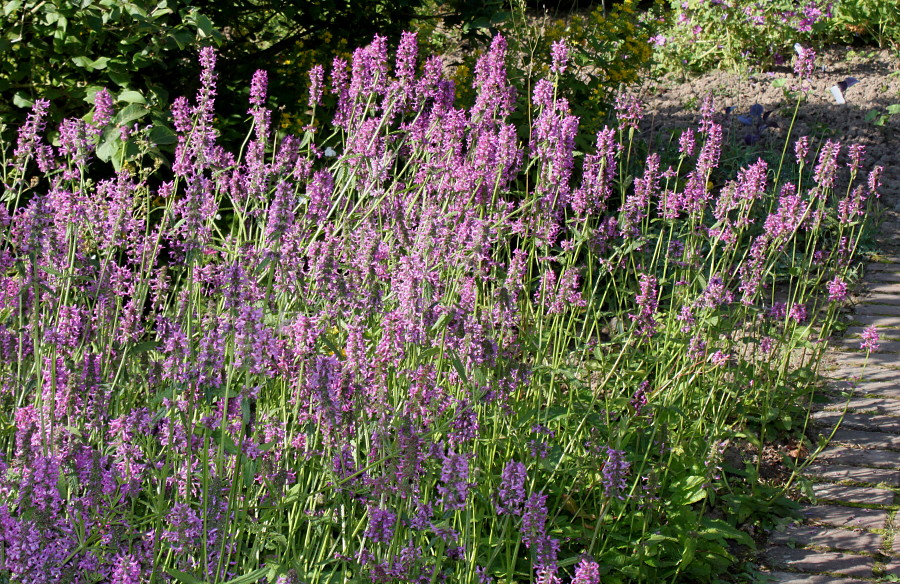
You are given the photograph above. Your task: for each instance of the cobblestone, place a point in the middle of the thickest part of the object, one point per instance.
(871, 458)
(884, 332)
(878, 321)
(814, 561)
(836, 542)
(878, 309)
(850, 494)
(871, 373)
(800, 578)
(836, 539)
(887, 406)
(884, 346)
(853, 421)
(854, 474)
(868, 439)
(839, 516)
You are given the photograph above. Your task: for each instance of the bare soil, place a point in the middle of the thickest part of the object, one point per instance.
(673, 102)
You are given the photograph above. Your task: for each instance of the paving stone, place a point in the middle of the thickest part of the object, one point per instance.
(885, 298)
(875, 389)
(877, 309)
(895, 546)
(868, 439)
(863, 387)
(875, 405)
(860, 360)
(875, 375)
(835, 539)
(884, 275)
(813, 561)
(886, 288)
(850, 494)
(878, 321)
(892, 568)
(885, 265)
(853, 421)
(801, 578)
(871, 458)
(839, 516)
(856, 474)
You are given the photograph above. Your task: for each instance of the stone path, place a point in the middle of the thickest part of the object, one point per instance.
(852, 534)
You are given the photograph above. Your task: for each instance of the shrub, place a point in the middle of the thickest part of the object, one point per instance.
(867, 21)
(65, 51)
(702, 34)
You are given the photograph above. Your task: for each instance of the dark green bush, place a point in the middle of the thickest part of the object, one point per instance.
(143, 51)
(65, 50)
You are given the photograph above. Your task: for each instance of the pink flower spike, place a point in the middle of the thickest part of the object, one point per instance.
(869, 339)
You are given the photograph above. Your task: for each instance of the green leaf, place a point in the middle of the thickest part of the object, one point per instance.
(442, 322)
(220, 436)
(19, 100)
(160, 11)
(688, 491)
(460, 368)
(182, 38)
(162, 135)
(690, 546)
(129, 114)
(120, 76)
(110, 144)
(719, 530)
(135, 11)
(82, 61)
(894, 108)
(205, 26)
(657, 538)
(130, 96)
(11, 7)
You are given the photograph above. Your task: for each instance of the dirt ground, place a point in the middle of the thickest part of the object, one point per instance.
(674, 102)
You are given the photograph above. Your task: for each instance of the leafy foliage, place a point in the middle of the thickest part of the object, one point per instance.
(868, 21)
(65, 51)
(407, 346)
(702, 34)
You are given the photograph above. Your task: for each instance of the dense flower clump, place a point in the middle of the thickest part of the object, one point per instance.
(414, 349)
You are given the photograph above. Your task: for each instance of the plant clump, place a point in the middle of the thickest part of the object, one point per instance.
(410, 346)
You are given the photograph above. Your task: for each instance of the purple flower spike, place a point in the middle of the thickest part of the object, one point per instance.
(316, 85)
(381, 525)
(614, 472)
(805, 62)
(629, 110)
(258, 86)
(407, 51)
(587, 572)
(869, 339)
(512, 489)
(534, 534)
(559, 52)
(837, 289)
(801, 148)
(647, 301)
(103, 108)
(455, 485)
